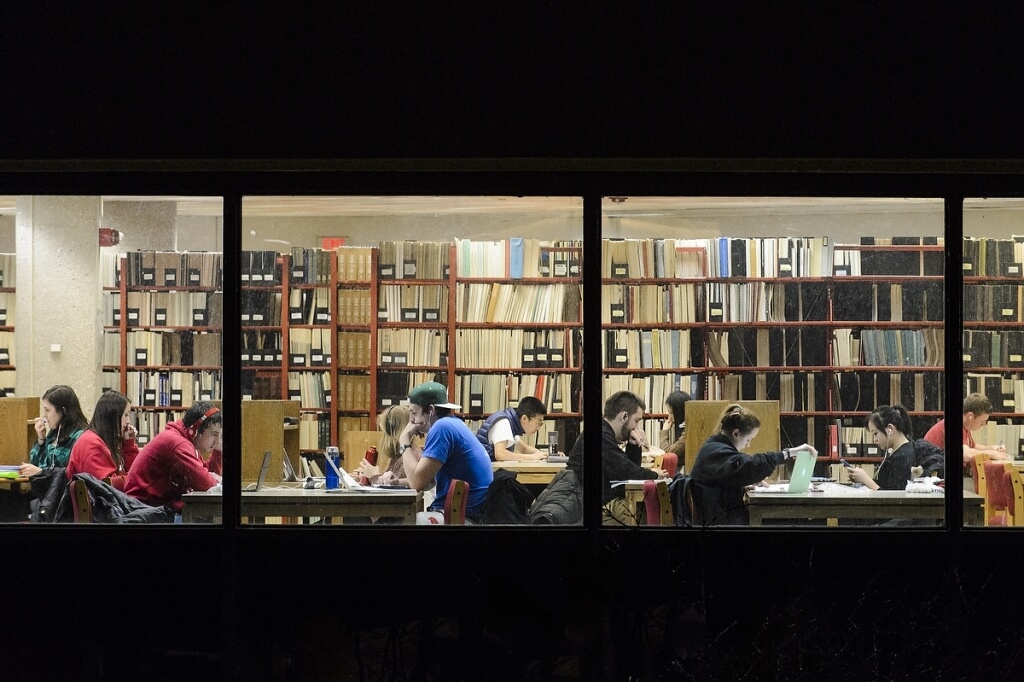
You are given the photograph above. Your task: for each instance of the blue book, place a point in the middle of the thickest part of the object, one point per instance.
(723, 256)
(515, 260)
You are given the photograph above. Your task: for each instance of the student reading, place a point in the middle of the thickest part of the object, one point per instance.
(502, 433)
(723, 471)
(622, 444)
(891, 431)
(673, 437)
(977, 410)
(57, 430)
(107, 449)
(171, 464)
(450, 452)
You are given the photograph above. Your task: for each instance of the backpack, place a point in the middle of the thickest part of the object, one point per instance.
(684, 493)
(508, 501)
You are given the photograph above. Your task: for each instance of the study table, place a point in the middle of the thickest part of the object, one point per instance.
(837, 501)
(15, 485)
(297, 502)
(528, 473)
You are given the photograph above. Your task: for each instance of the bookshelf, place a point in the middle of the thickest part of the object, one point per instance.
(17, 434)
(162, 332)
(8, 373)
(827, 330)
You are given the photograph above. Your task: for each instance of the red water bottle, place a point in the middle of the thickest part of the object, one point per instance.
(371, 457)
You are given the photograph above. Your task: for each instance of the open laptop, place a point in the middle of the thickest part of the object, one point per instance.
(345, 481)
(800, 480)
(288, 472)
(258, 485)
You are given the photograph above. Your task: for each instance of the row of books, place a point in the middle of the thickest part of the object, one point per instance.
(770, 257)
(260, 268)
(353, 392)
(393, 386)
(1010, 435)
(518, 303)
(312, 390)
(768, 347)
(487, 393)
(310, 306)
(653, 389)
(171, 389)
(261, 385)
(876, 301)
(518, 258)
(314, 431)
(261, 347)
(7, 310)
(517, 348)
(795, 391)
(651, 303)
(416, 347)
(167, 309)
(309, 347)
(986, 348)
(652, 349)
(1004, 391)
(989, 257)
(900, 256)
(658, 258)
(763, 302)
(151, 423)
(411, 303)
(8, 383)
(354, 349)
(354, 307)
(260, 308)
(8, 271)
(355, 263)
(864, 391)
(309, 266)
(160, 349)
(7, 348)
(901, 347)
(414, 260)
(993, 303)
(171, 269)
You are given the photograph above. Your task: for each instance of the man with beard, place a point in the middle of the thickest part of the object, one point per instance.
(623, 412)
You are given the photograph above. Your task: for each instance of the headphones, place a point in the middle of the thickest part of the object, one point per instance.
(193, 430)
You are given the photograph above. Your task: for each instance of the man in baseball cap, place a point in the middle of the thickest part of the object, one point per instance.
(451, 452)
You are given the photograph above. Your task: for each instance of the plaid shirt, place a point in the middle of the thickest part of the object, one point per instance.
(49, 454)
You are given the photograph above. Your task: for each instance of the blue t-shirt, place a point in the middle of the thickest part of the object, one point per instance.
(462, 457)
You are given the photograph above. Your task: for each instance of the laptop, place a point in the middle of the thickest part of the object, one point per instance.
(258, 485)
(800, 481)
(345, 481)
(289, 471)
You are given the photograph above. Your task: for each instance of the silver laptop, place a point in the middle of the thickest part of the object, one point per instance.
(288, 473)
(258, 485)
(345, 481)
(800, 481)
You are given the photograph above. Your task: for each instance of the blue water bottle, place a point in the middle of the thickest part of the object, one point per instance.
(331, 473)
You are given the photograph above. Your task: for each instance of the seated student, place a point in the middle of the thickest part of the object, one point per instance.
(890, 430)
(388, 470)
(724, 472)
(57, 430)
(450, 452)
(977, 410)
(502, 433)
(673, 437)
(107, 449)
(622, 444)
(170, 464)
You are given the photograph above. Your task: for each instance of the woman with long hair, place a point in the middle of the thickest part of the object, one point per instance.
(107, 449)
(890, 430)
(673, 436)
(723, 471)
(57, 430)
(388, 470)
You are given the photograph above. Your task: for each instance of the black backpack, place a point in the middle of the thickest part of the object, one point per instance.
(684, 493)
(508, 501)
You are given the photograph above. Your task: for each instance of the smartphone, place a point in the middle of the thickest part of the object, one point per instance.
(845, 463)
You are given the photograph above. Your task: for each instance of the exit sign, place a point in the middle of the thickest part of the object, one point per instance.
(328, 243)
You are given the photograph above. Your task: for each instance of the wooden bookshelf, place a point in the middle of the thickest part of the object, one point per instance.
(17, 435)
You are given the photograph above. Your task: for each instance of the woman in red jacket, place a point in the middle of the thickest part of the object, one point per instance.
(107, 449)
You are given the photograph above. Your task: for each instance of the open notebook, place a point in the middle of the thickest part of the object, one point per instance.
(800, 481)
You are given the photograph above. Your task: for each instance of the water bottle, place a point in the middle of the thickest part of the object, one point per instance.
(331, 480)
(552, 443)
(371, 457)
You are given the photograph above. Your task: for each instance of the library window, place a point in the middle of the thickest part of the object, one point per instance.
(367, 321)
(785, 355)
(993, 358)
(117, 336)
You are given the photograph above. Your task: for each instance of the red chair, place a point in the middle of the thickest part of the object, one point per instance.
(455, 503)
(668, 461)
(657, 503)
(997, 494)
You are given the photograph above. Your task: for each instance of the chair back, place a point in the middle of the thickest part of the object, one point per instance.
(455, 503)
(668, 461)
(996, 496)
(978, 472)
(1014, 486)
(81, 504)
(657, 503)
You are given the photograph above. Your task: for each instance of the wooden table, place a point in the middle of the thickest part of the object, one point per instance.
(293, 502)
(15, 485)
(531, 472)
(846, 502)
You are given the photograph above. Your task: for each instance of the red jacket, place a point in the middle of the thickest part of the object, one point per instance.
(90, 455)
(168, 467)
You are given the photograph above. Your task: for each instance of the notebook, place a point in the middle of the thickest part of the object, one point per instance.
(800, 481)
(258, 485)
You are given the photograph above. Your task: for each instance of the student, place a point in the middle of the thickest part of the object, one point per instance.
(502, 433)
(450, 452)
(977, 410)
(391, 422)
(622, 444)
(171, 464)
(723, 471)
(890, 430)
(673, 436)
(107, 449)
(57, 430)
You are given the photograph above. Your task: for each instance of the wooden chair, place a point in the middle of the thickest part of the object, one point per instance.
(455, 503)
(996, 496)
(668, 461)
(1014, 484)
(81, 505)
(657, 503)
(978, 473)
